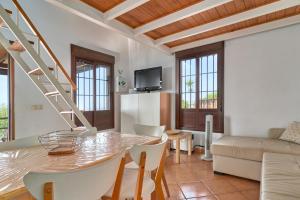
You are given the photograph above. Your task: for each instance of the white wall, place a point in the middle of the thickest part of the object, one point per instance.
(262, 82)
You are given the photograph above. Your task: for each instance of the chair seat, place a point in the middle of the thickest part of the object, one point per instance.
(129, 184)
(131, 165)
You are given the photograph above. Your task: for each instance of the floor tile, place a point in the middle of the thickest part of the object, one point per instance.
(194, 178)
(175, 192)
(211, 197)
(251, 194)
(231, 196)
(244, 184)
(220, 186)
(194, 189)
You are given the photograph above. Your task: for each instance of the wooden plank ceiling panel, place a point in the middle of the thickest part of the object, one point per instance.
(152, 10)
(238, 26)
(103, 5)
(222, 11)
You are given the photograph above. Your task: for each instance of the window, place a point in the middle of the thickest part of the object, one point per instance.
(85, 86)
(208, 80)
(200, 87)
(93, 73)
(188, 83)
(4, 89)
(102, 87)
(6, 98)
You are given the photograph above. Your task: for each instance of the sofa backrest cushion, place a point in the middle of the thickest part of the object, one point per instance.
(292, 133)
(275, 133)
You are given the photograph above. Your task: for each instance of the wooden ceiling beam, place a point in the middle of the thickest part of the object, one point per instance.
(93, 15)
(179, 15)
(122, 8)
(241, 33)
(256, 12)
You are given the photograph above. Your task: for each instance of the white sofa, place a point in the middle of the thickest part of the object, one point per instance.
(274, 162)
(280, 177)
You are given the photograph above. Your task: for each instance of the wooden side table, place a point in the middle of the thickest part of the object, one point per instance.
(174, 135)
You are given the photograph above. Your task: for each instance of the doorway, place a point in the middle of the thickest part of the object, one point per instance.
(93, 73)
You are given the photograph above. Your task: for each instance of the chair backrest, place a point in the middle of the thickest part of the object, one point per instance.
(154, 153)
(19, 143)
(87, 183)
(147, 130)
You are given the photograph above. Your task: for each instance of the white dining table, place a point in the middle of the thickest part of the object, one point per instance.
(96, 148)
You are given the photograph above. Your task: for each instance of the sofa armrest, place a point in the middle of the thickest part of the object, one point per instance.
(275, 133)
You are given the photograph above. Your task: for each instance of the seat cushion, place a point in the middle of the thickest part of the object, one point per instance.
(280, 177)
(131, 165)
(129, 184)
(249, 148)
(252, 148)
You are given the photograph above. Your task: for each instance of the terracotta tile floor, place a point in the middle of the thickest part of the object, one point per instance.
(194, 179)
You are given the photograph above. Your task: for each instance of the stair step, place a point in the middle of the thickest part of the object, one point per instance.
(1, 21)
(79, 128)
(67, 112)
(38, 71)
(17, 46)
(52, 93)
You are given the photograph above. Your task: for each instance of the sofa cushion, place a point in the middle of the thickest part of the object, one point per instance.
(251, 148)
(280, 177)
(292, 133)
(248, 148)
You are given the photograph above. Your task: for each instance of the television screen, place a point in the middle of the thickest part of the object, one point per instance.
(148, 79)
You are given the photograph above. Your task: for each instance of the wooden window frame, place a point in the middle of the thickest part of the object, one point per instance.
(199, 125)
(78, 52)
(11, 107)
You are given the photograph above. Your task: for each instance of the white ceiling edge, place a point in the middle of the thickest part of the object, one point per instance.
(93, 15)
(241, 33)
(122, 8)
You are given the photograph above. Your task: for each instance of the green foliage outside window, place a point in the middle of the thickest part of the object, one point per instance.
(3, 122)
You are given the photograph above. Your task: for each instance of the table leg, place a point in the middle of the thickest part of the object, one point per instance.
(166, 185)
(177, 150)
(189, 145)
(168, 148)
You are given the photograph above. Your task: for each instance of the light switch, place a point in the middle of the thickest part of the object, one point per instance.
(37, 107)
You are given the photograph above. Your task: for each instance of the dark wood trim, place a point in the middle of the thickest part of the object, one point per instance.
(88, 54)
(11, 98)
(177, 95)
(94, 57)
(10, 72)
(196, 53)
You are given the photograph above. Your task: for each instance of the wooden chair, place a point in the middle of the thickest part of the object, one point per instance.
(136, 183)
(147, 130)
(19, 143)
(87, 183)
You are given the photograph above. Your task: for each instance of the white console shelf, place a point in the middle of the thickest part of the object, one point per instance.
(145, 108)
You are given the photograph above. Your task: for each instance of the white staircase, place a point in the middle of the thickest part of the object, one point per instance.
(42, 76)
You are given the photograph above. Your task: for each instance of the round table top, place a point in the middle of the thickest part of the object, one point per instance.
(173, 132)
(177, 134)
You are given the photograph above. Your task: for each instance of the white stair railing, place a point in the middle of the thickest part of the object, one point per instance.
(58, 92)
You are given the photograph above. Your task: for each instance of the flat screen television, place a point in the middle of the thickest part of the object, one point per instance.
(148, 79)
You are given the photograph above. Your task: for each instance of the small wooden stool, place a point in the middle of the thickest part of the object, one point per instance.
(177, 136)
